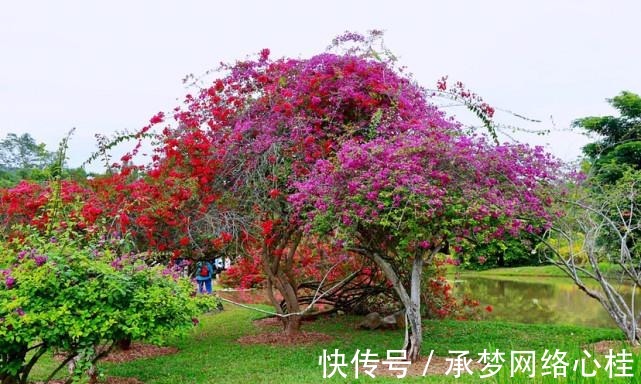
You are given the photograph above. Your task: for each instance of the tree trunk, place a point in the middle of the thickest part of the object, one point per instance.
(7, 379)
(279, 277)
(414, 338)
(413, 342)
(19, 356)
(292, 325)
(124, 344)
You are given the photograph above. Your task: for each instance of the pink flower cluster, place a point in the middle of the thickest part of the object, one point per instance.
(349, 138)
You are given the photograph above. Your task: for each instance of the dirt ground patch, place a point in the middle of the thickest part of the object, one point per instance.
(279, 338)
(437, 366)
(139, 351)
(276, 322)
(122, 380)
(136, 351)
(107, 380)
(268, 322)
(604, 346)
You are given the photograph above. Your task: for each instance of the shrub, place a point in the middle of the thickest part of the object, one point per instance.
(79, 296)
(245, 273)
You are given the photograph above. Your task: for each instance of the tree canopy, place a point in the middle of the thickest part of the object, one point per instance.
(22, 152)
(347, 147)
(619, 145)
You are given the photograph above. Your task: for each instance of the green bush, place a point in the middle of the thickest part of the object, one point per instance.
(79, 297)
(509, 252)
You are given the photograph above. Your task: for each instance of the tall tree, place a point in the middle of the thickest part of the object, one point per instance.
(402, 200)
(601, 221)
(22, 152)
(292, 147)
(616, 153)
(619, 146)
(600, 229)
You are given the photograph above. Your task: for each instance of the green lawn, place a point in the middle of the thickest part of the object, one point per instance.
(538, 271)
(530, 271)
(211, 354)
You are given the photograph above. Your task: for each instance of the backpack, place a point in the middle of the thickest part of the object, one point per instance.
(204, 271)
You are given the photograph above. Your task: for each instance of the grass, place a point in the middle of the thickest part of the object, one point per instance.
(211, 354)
(530, 271)
(538, 271)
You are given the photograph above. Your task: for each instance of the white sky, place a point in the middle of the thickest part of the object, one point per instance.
(105, 66)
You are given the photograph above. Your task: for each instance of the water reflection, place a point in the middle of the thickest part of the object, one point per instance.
(544, 300)
(533, 300)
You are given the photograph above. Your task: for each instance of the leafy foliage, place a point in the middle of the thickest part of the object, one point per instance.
(619, 147)
(22, 159)
(22, 152)
(78, 295)
(507, 252)
(615, 162)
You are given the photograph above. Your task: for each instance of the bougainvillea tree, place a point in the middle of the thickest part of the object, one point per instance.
(262, 127)
(403, 199)
(345, 144)
(265, 125)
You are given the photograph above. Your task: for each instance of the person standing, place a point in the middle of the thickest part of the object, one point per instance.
(204, 273)
(220, 265)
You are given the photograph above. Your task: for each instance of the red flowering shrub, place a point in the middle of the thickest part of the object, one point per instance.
(245, 273)
(438, 296)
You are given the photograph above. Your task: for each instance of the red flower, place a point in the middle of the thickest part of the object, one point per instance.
(226, 236)
(158, 118)
(489, 308)
(264, 54)
(184, 241)
(267, 225)
(124, 220)
(217, 243)
(219, 85)
(274, 193)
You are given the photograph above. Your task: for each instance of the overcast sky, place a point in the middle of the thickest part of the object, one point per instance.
(105, 66)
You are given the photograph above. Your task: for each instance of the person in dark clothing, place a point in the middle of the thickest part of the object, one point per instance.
(204, 274)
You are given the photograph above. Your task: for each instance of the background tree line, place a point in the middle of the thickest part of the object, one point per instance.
(22, 158)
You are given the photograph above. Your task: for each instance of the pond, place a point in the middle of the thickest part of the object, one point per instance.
(519, 299)
(536, 300)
